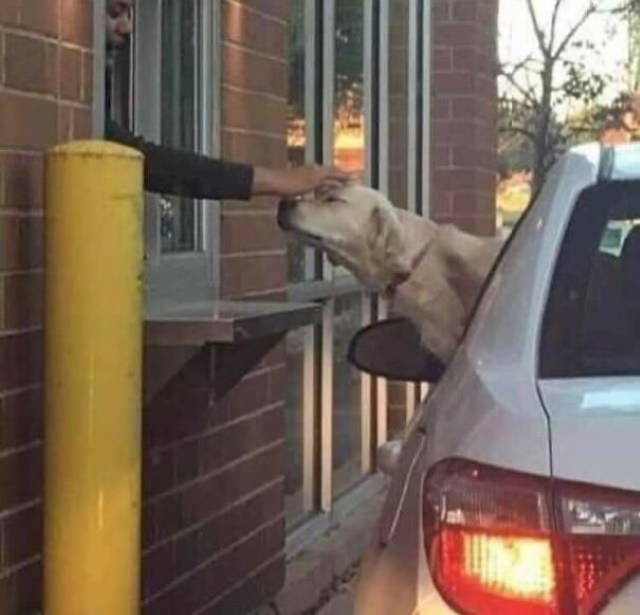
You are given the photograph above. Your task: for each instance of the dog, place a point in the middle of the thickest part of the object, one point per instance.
(432, 274)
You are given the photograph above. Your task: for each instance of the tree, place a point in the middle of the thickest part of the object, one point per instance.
(551, 98)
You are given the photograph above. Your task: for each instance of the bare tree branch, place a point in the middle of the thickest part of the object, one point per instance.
(554, 23)
(526, 93)
(537, 29)
(589, 11)
(520, 130)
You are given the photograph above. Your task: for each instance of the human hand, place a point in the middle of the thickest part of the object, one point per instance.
(296, 181)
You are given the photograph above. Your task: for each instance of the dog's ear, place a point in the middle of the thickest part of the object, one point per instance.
(386, 243)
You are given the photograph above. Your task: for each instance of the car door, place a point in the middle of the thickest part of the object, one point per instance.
(589, 382)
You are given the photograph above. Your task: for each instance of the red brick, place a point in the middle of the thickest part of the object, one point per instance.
(453, 33)
(464, 179)
(465, 10)
(465, 107)
(442, 156)
(23, 300)
(77, 21)
(275, 8)
(21, 243)
(157, 569)
(23, 181)
(453, 132)
(71, 73)
(82, 123)
(245, 26)
(251, 394)
(187, 461)
(27, 122)
(240, 562)
(442, 59)
(9, 12)
(253, 112)
(244, 69)
(201, 500)
(256, 432)
(442, 11)
(254, 231)
(239, 520)
(256, 149)
(472, 203)
(31, 64)
(65, 122)
(466, 59)
(453, 83)
(158, 472)
(20, 591)
(20, 478)
(252, 274)
(20, 360)
(22, 535)
(21, 418)
(441, 108)
(39, 16)
(87, 77)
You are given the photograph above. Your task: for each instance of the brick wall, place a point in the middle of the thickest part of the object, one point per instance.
(40, 104)
(464, 129)
(213, 526)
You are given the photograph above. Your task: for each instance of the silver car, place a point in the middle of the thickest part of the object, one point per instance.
(517, 489)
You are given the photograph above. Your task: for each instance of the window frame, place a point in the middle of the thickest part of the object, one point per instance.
(175, 278)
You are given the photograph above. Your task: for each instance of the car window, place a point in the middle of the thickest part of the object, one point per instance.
(592, 320)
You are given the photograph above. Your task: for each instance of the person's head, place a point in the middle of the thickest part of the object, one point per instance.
(119, 23)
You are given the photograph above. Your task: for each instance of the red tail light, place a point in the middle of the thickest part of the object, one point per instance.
(503, 543)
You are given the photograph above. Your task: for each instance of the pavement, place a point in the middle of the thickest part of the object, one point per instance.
(321, 578)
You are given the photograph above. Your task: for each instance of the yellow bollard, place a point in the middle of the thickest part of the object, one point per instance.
(93, 345)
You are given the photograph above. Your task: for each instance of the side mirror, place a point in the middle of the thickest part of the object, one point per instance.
(391, 349)
(388, 456)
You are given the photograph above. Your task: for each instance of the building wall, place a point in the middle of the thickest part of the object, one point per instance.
(213, 517)
(45, 95)
(464, 113)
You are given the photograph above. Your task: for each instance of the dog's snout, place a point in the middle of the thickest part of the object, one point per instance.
(285, 209)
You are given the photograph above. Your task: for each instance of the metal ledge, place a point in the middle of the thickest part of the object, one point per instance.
(225, 322)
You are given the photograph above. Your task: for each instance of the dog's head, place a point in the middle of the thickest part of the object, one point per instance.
(357, 227)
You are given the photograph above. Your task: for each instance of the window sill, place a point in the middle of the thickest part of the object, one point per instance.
(225, 322)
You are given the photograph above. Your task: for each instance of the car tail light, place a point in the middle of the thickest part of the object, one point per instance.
(500, 542)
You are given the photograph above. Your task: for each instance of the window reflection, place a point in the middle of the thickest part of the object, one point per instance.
(349, 125)
(296, 120)
(398, 101)
(295, 509)
(178, 215)
(347, 398)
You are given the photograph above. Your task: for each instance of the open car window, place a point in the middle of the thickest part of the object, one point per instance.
(592, 320)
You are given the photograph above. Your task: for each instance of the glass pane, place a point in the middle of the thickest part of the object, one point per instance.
(349, 126)
(592, 323)
(295, 509)
(178, 221)
(347, 426)
(296, 124)
(398, 101)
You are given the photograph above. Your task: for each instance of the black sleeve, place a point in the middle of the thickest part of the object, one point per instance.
(173, 171)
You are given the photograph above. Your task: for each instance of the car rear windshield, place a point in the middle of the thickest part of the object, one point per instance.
(592, 320)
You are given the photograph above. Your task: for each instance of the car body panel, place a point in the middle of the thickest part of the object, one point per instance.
(595, 429)
(488, 406)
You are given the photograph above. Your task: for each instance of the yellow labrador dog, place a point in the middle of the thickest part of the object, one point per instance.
(431, 273)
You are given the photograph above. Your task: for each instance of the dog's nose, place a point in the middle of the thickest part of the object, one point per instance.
(285, 208)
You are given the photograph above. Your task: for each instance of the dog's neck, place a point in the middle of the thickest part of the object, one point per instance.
(444, 281)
